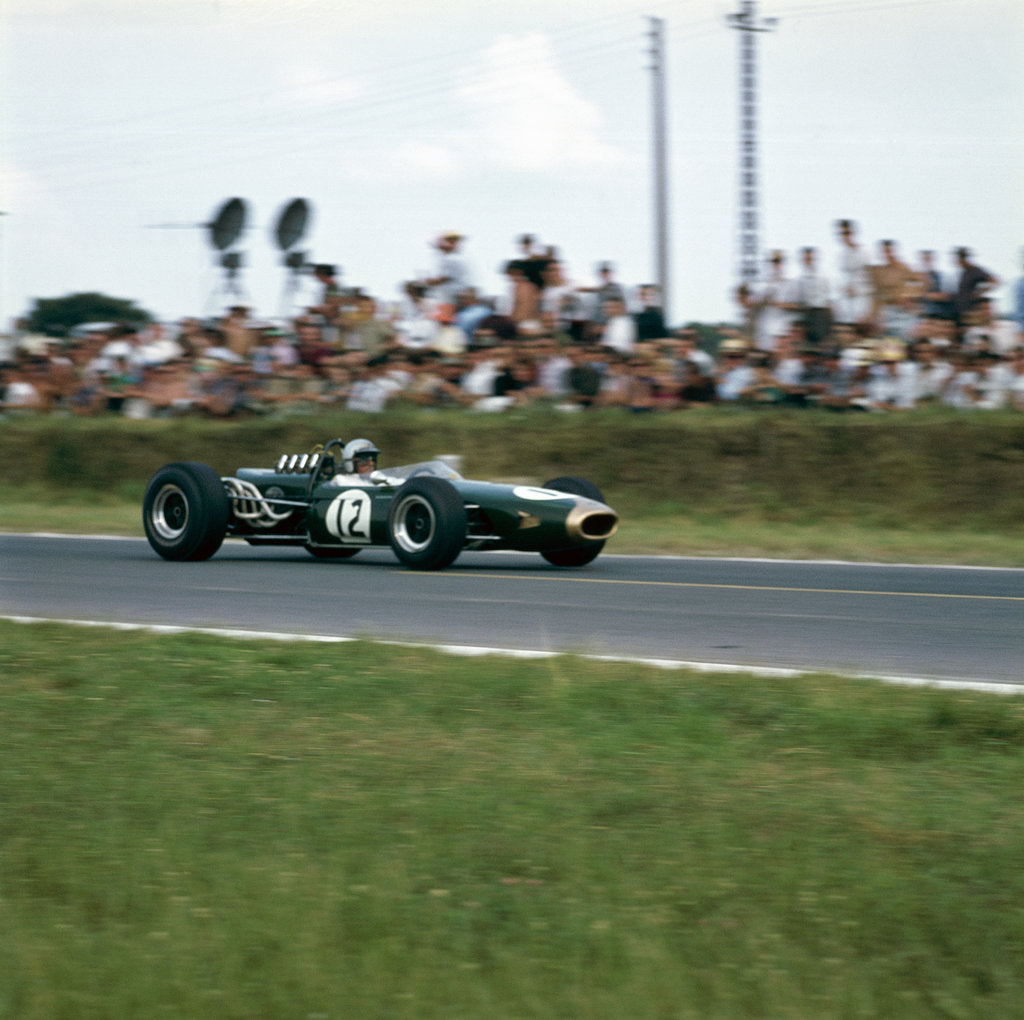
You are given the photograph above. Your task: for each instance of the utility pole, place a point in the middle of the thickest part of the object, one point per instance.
(659, 162)
(3, 273)
(748, 24)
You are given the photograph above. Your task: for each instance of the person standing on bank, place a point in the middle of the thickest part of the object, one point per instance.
(812, 295)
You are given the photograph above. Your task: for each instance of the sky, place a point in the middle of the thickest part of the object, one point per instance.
(125, 126)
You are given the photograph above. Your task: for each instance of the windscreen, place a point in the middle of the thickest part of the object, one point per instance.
(434, 468)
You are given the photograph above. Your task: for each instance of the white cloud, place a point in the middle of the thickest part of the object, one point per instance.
(526, 114)
(17, 187)
(425, 159)
(308, 85)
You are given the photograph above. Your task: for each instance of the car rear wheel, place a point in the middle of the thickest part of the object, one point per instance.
(331, 552)
(185, 511)
(581, 555)
(427, 524)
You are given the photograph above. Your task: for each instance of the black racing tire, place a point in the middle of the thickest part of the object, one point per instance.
(427, 524)
(580, 555)
(185, 511)
(575, 487)
(331, 552)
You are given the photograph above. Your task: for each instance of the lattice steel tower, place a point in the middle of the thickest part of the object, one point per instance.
(749, 25)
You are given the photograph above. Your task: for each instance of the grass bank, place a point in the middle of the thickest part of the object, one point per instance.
(658, 530)
(195, 827)
(931, 486)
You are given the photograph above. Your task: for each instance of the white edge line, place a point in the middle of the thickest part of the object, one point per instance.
(988, 686)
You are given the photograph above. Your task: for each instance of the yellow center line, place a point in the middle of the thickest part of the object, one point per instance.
(729, 587)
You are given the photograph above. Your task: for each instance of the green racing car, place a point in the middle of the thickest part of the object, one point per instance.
(334, 502)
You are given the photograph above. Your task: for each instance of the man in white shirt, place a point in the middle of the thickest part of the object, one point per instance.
(891, 385)
(930, 374)
(451, 276)
(853, 302)
(813, 299)
(771, 304)
(373, 387)
(619, 331)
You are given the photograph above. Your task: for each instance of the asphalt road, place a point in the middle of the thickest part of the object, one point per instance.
(937, 623)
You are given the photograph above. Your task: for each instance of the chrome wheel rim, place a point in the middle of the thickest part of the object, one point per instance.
(414, 524)
(169, 515)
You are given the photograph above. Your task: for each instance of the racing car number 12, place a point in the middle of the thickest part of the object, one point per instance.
(348, 517)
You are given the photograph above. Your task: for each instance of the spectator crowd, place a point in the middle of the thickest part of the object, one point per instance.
(877, 334)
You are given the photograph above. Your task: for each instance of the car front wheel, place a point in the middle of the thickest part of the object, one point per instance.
(581, 555)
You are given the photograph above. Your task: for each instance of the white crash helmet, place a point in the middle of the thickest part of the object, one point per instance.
(354, 447)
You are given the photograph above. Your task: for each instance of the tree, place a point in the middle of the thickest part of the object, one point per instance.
(57, 316)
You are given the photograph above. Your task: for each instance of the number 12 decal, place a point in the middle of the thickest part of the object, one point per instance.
(348, 516)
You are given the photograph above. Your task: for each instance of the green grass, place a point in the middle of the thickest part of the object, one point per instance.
(935, 486)
(662, 530)
(202, 827)
(857, 540)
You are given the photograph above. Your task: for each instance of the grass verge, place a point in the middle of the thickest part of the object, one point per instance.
(936, 486)
(202, 827)
(659, 530)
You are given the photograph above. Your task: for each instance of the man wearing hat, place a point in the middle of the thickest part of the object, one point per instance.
(735, 372)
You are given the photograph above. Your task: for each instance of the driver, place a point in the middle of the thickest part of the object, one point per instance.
(359, 457)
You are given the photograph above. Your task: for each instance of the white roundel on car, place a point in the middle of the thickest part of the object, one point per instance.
(348, 516)
(531, 492)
